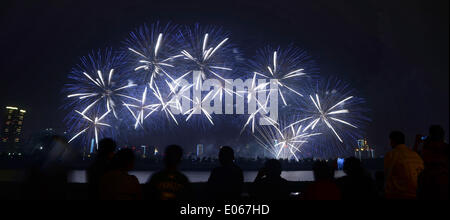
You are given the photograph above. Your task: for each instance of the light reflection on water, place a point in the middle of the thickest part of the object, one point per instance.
(79, 176)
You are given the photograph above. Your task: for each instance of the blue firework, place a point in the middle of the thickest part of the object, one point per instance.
(168, 75)
(98, 83)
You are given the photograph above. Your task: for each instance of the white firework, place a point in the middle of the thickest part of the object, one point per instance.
(197, 106)
(222, 89)
(281, 75)
(327, 115)
(103, 89)
(204, 61)
(153, 62)
(165, 104)
(177, 94)
(261, 109)
(143, 110)
(283, 143)
(94, 124)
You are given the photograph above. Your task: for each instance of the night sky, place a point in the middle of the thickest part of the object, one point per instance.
(394, 52)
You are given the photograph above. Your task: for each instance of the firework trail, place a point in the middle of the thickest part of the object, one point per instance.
(143, 110)
(170, 102)
(91, 125)
(177, 93)
(198, 107)
(284, 141)
(261, 108)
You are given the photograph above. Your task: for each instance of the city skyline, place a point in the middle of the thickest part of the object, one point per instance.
(143, 149)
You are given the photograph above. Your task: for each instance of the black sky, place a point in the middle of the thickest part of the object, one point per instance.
(394, 52)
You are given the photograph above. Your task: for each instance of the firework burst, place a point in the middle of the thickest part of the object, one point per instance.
(261, 108)
(99, 83)
(333, 108)
(206, 50)
(284, 141)
(153, 50)
(142, 108)
(198, 106)
(159, 58)
(284, 68)
(92, 125)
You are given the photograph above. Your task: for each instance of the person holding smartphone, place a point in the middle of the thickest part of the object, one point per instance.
(433, 181)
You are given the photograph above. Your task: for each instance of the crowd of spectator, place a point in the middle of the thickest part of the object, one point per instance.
(420, 172)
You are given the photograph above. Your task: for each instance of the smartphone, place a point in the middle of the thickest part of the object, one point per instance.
(295, 193)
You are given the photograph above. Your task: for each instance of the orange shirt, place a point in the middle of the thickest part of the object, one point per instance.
(402, 166)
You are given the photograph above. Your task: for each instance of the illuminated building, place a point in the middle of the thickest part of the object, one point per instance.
(11, 132)
(142, 151)
(199, 150)
(146, 151)
(150, 151)
(363, 150)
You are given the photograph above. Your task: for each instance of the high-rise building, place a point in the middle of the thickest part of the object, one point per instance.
(11, 133)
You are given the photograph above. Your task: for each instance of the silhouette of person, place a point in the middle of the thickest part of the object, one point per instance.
(323, 187)
(435, 150)
(268, 184)
(356, 185)
(433, 181)
(402, 167)
(225, 181)
(169, 183)
(117, 184)
(100, 166)
(47, 177)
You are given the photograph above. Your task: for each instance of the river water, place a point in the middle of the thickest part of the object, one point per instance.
(79, 176)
